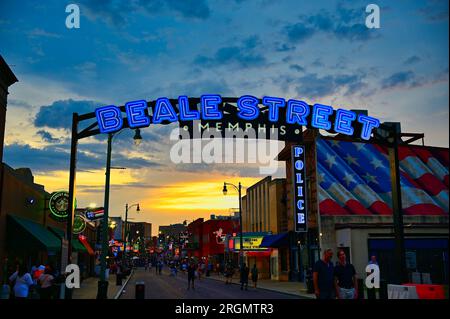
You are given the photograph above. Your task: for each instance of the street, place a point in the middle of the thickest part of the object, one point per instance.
(165, 286)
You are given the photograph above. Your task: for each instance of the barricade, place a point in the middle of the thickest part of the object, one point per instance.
(428, 291)
(402, 292)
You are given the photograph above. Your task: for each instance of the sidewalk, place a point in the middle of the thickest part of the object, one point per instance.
(89, 286)
(287, 287)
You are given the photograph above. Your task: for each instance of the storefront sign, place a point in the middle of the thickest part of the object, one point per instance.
(94, 215)
(210, 109)
(252, 243)
(58, 205)
(79, 224)
(299, 191)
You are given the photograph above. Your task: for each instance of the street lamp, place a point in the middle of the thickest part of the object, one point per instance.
(125, 233)
(137, 137)
(225, 191)
(102, 292)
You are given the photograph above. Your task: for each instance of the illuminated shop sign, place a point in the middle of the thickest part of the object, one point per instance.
(211, 108)
(252, 243)
(79, 224)
(58, 204)
(299, 191)
(94, 215)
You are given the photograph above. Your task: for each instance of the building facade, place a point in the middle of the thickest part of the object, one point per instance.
(264, 214)
(349, 202)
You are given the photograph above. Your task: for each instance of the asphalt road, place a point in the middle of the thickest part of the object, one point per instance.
(165, 286)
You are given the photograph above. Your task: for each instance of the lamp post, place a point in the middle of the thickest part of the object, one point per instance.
(238, 188)
(102, 292)
(125, 235)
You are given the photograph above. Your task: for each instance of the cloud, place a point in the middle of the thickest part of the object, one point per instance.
(37, 33)
(345, 24)
(284, 47)
(400, 79)
(243, 55)
(88, 69)
(297, 67)
(57, 157)
(314, 86)
(59, 113)
(118, 13)
(412, 60)
(435, 11)
(47, 137)
(298, 32)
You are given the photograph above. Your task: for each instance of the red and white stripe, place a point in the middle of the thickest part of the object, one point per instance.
(420, 173)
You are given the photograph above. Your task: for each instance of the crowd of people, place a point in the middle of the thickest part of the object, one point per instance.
(196, 269)
(38, 282)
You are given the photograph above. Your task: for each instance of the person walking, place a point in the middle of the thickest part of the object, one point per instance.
(22, 281)
(45, 282)
(254, 275)
(244, 276)
(323, 276)
(160, 266)
(346, 283)
(191, 275)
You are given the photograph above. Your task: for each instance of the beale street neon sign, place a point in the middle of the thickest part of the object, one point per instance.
(210, 108)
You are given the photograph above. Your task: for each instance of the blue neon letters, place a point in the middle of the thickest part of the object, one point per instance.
(274, 103)
(299, 176)
(343, 123)
(320, 116)
(136, 114)
(298, 112)
(109, 118)
(248, 107)
(164, 111)
(210, 107)
(185, 113)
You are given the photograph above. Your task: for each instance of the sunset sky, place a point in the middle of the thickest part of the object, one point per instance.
(317, 51)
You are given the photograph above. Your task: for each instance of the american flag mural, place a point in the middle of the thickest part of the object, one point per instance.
(354, 179)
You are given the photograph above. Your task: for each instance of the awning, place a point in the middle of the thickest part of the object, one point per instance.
(88, 247)
(78, 246)
(38, 232)
(275, 241)
(58, 232)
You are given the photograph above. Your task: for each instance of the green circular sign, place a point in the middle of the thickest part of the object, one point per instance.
(59, 204)
(79, 224)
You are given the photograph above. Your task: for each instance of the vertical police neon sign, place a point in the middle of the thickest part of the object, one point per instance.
(299, 176)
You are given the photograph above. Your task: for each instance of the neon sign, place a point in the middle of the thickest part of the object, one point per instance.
(58, 204)
(213, 108)
(299, 175)
(79, 224)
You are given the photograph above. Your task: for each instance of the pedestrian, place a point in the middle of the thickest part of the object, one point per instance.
(46, 284)
(145, 265)
(199, 270)
(22, 281)
(244, 276)
(254, 275)
(160, 266)
(346, 283)
(323, 276)
(191, 275)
